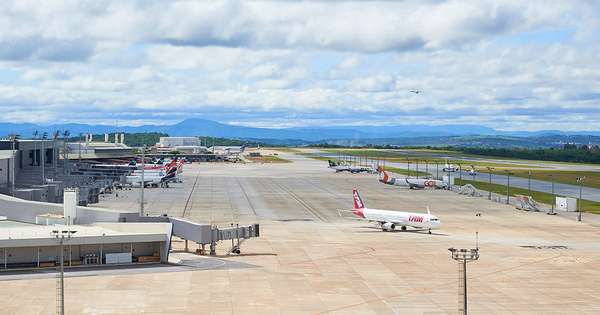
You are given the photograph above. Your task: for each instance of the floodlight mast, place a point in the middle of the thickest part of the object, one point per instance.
(60, 283)
(13, 139)
(580, 181)
(463, 256)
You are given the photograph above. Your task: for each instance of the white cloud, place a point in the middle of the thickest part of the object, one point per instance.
(378, 83)
(492, 62)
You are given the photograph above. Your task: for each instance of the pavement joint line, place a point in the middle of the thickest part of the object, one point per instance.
(247, 198)
(190, 195)
(306, 206)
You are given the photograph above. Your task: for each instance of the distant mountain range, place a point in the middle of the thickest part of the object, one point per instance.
(401, 134)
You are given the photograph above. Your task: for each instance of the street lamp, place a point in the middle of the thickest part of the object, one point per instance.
(490, 175)
(13, 139)
(66, 135)
(44, 136)
(417, 168)
(80, 135)
(55, 136)
(60, 289)
(437, 170)
(143, 183)
(508, 173)
(35, 136)
(580, 181)
(460, 171)
(553, 197)
(529, 183)
(408, 166)
(463, 256)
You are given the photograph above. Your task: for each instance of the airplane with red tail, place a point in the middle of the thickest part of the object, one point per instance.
(389, 220)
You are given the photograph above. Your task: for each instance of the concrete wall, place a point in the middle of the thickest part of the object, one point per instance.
(26, 211)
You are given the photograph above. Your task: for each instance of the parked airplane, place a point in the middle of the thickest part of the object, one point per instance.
(449, 168)
(130, 165)
(340, 167)
(154, 178)
(389, 220)
(473, 171)
(412, 183)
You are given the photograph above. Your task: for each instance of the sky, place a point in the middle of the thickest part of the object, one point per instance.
(510, 65)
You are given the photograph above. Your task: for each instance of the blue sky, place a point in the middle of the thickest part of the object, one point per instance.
(511, 65)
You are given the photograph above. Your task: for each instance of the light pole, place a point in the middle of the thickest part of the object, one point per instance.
(463, 256)
(60, 284)
(553, 197)
(79, 158)
(43, 157)
(437, 170)
(408, 166)
(66, 135)
(529, 183)
(490, 189)
(508, 173)
(142, 184)
(460, 171)
(35, 136)
(427, 167)
(417, 168)
(13, 138)
(54, 151)
(580, 181)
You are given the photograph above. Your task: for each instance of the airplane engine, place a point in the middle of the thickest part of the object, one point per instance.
(388, 226)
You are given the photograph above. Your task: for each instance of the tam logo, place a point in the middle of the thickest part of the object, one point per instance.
(357, 201)
(414, 218)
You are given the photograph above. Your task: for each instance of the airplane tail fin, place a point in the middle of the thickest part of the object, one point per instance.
(358, 203)
(384, 177)
(359, 206)
(180, 166)
(171, 166)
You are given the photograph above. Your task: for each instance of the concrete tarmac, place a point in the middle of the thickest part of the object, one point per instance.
(309, 260)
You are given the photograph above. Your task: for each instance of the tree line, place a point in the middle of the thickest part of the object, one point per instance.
(567, 153)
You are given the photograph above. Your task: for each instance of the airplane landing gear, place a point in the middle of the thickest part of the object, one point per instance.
(429, 231)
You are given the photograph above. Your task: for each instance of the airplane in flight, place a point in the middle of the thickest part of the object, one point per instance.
(389, 220)
(412, 183)
(341, 167)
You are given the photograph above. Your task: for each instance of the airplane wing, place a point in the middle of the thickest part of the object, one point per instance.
(349, 217)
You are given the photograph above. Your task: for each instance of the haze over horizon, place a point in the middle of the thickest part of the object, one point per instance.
(508, 65)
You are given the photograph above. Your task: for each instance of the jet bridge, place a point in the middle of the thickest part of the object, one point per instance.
(206, 234)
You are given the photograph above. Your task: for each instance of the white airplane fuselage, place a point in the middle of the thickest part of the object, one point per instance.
(399, 219)
(419, 183)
